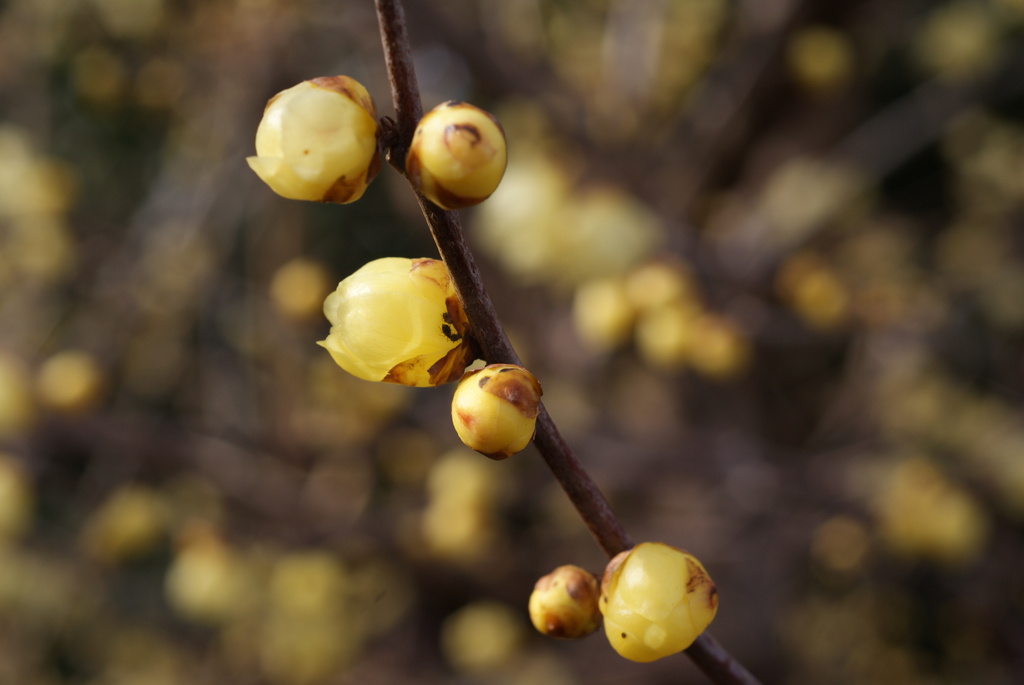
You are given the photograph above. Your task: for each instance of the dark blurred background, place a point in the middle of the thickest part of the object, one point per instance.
(764, 255)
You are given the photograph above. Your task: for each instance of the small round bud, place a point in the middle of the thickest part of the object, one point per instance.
(923, 513)
(602, 313)
(495, 409)
(656, 600)
(460, 522)
(399, 320)
(661, 283)
(482, 637)
(306, 585)
(720, 349)
(564, 603)
(821, 59)
(664, 336)
(813, 289)
(298, 288)
(205, 581)
(318, 141)
(129, 525)
(457, 156)
(70, 382)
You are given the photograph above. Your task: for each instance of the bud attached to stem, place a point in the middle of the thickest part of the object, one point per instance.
(495, 409)
(563, 603)
(318, 141)
(656, 600)
(457, 156)
(399, 320)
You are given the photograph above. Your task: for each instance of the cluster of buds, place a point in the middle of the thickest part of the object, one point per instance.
(655, 600)
(658, 305)
(400, 320)
(318, 141)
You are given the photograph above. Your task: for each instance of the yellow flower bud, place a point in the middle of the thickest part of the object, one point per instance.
(495, 409)
(457, 156)
(206, 581)
(71, 382)
(813, 289)
(923, 513)
(129, 525)
(821, 59)
(602, 313)
(318, 141)
(482, 637)
(656, 600)
(298, 288)
(399, 320)
(564, 603)
(306, 585)
(720, 350)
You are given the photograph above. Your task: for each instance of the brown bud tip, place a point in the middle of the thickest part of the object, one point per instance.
(564, 603)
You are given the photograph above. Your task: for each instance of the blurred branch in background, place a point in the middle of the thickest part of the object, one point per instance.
(765, 258)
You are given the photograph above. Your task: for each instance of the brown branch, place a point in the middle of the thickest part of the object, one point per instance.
(446, 229)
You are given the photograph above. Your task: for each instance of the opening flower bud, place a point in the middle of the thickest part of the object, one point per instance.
(656, 599)
(457, 156)
(318, 141)
(563, 603)
(495, 409)
(399, 320)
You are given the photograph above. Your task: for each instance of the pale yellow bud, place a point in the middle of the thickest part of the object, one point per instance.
(495, 409)
(814, 291)
(921, 512)
(458, 531)
(457, 156)
(298, 288)
(71, 382)
(564, 603)
(720, 350)
(481, 637)
(398, 320)
(602, 313)
(205, 580)
(130, 524)
(820, 58)
(307, 585)
(664, 336)
(461, 477)
(958, 40)
(662, 283)
(656, 600)
(318, 141)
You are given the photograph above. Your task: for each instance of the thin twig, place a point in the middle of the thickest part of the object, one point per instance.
(446, 229)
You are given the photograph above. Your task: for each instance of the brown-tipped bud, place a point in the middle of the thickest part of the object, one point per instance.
(495, 409)
(656, 599)
(457, 156)
(564, 603)
(399, 320)
(318, 141)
